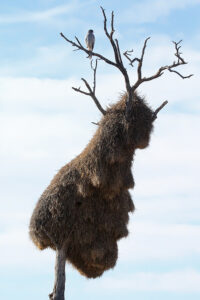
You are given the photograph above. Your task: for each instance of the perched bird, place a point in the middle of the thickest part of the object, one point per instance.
(90, 39)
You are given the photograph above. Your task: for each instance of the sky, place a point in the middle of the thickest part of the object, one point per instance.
(44, 124)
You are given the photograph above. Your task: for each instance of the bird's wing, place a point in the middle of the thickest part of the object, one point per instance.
(92, 45)
(86, 40)
(92, 42)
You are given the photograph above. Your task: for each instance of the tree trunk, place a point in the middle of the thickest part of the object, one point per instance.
(59, 284)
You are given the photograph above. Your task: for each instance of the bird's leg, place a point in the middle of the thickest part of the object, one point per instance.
(59, 284)
(89, 55)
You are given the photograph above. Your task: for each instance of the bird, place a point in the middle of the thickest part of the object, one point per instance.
(90, 40)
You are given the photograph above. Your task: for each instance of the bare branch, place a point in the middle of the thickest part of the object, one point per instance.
(80, 91)
(161, 70)
(92, 90)
(118, 52)
(87, 85)
(94, 77)
(141, 59)
(118, 63)
(80, 47)
(127, 53)
(79, 42)
(183, 77)
(112, 24)
(158, 109)
(110, 36)
(105, 22)
(179, 62)
(97, 124)
(118, 60)
(178, 53)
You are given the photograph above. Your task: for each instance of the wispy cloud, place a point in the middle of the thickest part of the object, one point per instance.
(36, 16)
(149, 11)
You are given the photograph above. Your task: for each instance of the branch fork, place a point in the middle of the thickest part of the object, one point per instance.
(118, 63)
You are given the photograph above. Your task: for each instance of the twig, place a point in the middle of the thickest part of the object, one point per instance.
(161, 70)
(158, 109)
(92, 90)
(80, 47)
(141, 59)
(110, 36)
(118, 52)
(127, 53)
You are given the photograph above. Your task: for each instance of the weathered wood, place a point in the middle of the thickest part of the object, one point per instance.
(59, 284)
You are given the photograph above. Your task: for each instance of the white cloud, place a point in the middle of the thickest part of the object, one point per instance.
(27, 16)
(174, 153)
(175, 281)
(18, 251)
(159, 242)
(169, 207)
(56, 60)
(46, 95)
(150, 11)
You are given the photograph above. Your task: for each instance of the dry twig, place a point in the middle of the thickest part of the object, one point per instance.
(92, 90)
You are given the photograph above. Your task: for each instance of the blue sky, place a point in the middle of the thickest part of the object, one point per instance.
(45, 124)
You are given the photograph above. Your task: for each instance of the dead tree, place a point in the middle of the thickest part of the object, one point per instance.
(84, 211)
